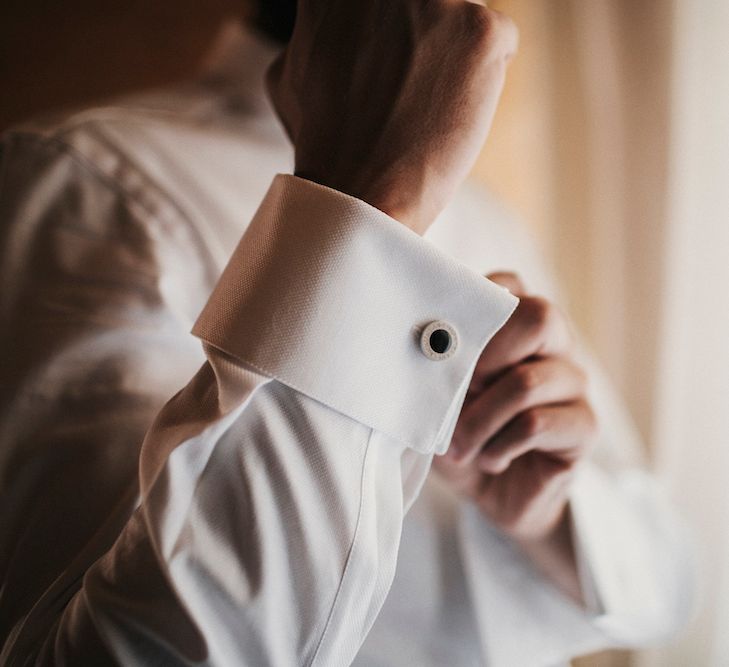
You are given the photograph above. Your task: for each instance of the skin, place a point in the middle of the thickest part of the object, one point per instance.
(526, 423)
(391, 101)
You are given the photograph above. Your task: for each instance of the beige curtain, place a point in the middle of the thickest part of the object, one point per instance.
(613, 144)
(691, 415)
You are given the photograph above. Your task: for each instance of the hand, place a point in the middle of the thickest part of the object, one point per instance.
(391, 100)
(525, 423)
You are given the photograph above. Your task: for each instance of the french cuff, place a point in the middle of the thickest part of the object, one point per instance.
(632, 555)
(508, 593)
(337, 300)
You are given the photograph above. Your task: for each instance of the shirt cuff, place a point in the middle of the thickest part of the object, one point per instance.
(508, 593)
(633, 563)
(331, 296)
(632, 555)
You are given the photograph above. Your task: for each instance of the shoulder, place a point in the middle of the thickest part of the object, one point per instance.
(84, 151)
(77, 209)
(64, 174)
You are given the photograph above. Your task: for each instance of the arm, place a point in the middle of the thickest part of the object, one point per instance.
(273, 484)
(272, 490)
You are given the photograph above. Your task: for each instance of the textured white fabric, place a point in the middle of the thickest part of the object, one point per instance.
(274, 485)
(326, 283)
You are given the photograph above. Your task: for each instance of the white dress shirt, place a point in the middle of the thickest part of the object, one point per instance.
(280, 511)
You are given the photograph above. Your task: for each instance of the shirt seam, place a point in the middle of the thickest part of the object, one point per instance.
(338, 595)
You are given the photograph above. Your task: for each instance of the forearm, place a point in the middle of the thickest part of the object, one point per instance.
(243, 532)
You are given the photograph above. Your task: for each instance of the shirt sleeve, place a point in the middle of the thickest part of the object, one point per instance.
(99, 285)
(633, 562)
(273, 486)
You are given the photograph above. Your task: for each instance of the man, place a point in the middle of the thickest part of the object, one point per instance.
(281, 510)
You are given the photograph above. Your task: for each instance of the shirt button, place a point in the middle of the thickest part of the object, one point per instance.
(439, 340)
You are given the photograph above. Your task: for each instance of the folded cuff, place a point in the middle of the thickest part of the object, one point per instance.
(330, 296)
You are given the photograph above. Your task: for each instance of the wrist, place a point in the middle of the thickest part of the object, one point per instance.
(408, 209)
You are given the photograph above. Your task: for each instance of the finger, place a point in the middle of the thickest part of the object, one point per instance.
(512, 281)
(502, 30)
(514, 284)
(524, 386)
(543, 487)
(537, 327)
(564, 431)
(509, 32)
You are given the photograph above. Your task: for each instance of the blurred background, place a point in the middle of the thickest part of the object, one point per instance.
(611, 143)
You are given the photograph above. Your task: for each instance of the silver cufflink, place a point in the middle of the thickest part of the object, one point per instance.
(439, 340)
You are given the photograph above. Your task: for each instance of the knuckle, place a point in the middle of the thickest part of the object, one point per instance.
(531, 423)
(538, 311)
(493, 32)
(479, 23)
(501, 464)
(493, 465)
(526, 379)
(543, 319)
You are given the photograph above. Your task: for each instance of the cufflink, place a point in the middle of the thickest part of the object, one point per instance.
(439, 340)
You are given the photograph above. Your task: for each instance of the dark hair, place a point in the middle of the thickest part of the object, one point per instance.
(276, 18)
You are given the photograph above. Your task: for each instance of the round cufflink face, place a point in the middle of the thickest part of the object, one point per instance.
(439, 340)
